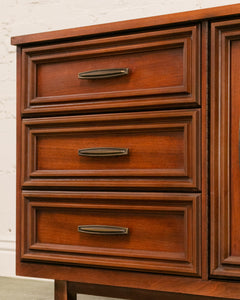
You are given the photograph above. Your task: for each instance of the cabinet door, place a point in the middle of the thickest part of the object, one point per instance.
(225, 149)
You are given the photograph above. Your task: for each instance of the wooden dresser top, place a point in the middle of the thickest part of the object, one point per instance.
(126, 26)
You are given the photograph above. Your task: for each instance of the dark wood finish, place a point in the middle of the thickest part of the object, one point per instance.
(163, 230)
(163, 71)
(163, 150)
(225, 171)
(131, 25)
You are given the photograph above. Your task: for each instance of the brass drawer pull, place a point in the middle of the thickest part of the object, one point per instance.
(103, 151)
(100, 74)
(102, 229)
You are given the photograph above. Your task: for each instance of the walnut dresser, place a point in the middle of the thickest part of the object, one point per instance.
(128, 163)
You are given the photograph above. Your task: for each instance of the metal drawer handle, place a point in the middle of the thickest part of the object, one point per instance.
(103, 151)
(100, 74)
(102, 229)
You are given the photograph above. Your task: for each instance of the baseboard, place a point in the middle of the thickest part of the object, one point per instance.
(8, 261)
(7, 258)
(7, 245)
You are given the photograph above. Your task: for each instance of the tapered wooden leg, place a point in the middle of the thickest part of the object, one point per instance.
(72, 292)
(60, 291)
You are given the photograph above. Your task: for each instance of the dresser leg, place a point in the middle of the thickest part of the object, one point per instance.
(62, 292)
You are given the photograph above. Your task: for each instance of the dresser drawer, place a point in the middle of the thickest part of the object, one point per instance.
(153, 232)
(157, 150)
(160, 67)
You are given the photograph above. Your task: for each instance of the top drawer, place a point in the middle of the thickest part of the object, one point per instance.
(162, 69)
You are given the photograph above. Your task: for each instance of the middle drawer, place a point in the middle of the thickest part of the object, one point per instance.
(133, 150)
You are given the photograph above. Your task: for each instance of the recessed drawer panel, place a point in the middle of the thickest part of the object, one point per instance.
(152, 232)
(152, 68)
(150, 149)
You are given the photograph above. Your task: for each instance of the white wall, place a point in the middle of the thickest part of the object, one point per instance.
(19, 17)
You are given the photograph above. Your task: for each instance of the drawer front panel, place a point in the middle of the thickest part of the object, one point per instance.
(58, 152)
(162, 230)
(162, 150)
(61, 78)
(163, 69)
(225, 150)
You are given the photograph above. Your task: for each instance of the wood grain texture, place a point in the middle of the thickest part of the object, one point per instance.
(130, 294)
(131, 25)
(180, 285)
(60, 290)
(60, 78)
(163, 230)
(163, 150)
(168, 154)
(164, 68)
(205, 146)
(225, 173)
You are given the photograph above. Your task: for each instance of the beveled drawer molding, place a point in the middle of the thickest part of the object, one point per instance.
(163, 69)
(162, 150)
(128, 158)
(163, 230)
(225, 149)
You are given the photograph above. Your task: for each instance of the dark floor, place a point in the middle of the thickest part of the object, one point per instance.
(28, 289)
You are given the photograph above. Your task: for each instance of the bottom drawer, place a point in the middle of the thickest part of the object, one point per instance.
(154, 232)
